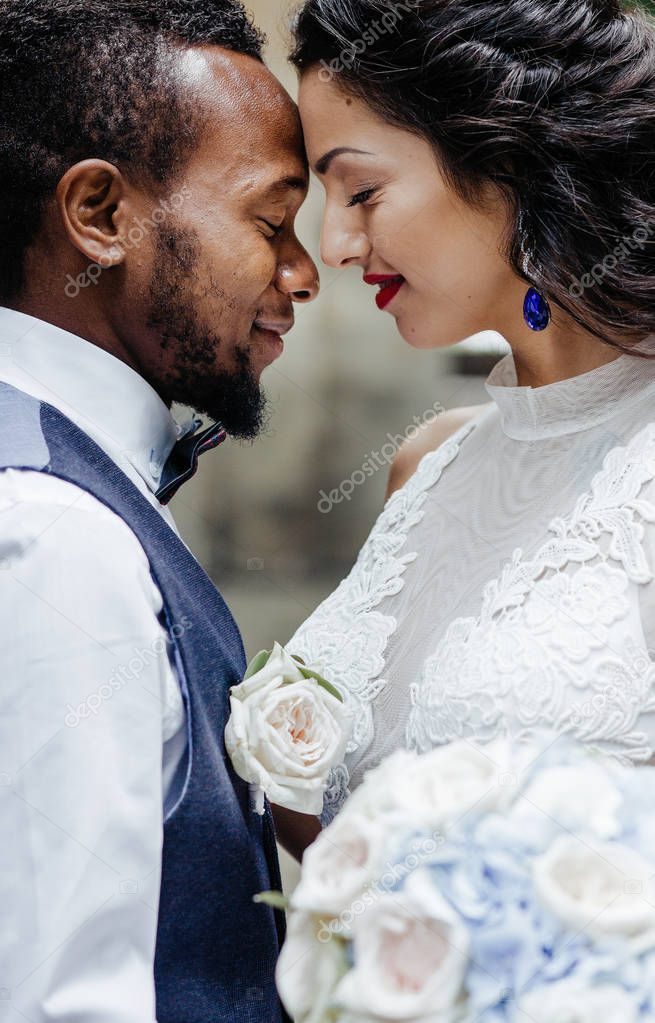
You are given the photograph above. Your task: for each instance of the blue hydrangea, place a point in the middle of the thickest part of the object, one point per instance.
(484, 870)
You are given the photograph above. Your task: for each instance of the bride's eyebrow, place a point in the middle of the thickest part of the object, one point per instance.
(321, 166)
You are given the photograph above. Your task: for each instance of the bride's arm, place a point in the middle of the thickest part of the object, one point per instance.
(295, 831)
(428, 438)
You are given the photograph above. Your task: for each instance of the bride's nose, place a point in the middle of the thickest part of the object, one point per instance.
(343, 242)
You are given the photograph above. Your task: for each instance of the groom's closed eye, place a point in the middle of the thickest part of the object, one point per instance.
(287, 194)
(275, 229)
(290, 191)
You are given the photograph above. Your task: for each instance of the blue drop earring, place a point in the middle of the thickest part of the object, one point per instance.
(536, 310)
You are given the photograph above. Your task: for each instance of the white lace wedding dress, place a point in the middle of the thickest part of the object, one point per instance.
(509, 584)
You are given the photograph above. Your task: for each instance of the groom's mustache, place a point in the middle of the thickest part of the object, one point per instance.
(278, 321)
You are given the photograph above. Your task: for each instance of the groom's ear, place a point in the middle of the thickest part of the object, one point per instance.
(91, 198)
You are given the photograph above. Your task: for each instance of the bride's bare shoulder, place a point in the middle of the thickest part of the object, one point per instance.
(429, 438)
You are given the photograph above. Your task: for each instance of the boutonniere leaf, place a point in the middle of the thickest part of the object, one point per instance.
(309, 674)
(258, 662)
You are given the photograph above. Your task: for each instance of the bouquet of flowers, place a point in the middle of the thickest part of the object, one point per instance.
(480, 884)
(287, 730)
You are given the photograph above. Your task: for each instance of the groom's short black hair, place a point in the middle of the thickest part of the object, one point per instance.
(95, 79)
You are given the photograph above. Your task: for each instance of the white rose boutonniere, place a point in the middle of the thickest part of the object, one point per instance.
(288, 728)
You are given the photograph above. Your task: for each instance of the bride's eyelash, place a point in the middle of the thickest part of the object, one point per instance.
(361, 197)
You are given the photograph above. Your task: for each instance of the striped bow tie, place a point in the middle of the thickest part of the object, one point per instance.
(182, 462)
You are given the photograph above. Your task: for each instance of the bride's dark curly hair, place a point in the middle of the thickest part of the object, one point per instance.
(552, 101)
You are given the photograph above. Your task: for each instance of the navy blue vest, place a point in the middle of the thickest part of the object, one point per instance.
(216, 948)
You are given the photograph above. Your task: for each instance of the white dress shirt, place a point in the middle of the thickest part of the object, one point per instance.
(92, 723)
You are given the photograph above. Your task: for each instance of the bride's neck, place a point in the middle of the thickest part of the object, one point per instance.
(558, 353)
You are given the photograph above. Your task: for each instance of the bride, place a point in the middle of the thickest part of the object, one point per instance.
(491, 165)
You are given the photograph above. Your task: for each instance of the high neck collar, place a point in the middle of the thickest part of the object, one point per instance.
(569, 406)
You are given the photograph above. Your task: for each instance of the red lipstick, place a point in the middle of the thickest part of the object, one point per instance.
(389, 285)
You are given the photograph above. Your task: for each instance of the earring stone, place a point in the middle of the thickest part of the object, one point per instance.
(536, 311)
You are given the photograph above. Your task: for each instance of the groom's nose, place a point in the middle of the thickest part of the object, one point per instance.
(298, 277)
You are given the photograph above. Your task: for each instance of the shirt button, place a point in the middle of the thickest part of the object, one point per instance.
(155, 470)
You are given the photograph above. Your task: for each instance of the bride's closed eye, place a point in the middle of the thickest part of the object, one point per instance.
(362, 197)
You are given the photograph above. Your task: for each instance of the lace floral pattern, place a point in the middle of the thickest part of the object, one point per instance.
(346, 638)
(553, 643)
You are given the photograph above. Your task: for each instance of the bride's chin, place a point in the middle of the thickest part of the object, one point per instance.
(423, 337)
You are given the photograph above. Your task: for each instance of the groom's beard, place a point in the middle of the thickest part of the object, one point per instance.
(233, 397)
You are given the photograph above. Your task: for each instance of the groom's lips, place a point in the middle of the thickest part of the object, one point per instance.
(389, 285)
(271, 331)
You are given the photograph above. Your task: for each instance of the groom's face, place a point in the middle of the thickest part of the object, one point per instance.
(225, 267)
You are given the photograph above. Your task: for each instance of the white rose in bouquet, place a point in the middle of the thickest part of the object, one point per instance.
(450, 780)
(411, 955)
(287, 729)
(378, 794)
(580, 797)
(309, 969)
(601, 888)
(338, 866)
(572, 1002)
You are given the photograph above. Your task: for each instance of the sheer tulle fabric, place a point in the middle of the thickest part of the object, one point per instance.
(508, 585)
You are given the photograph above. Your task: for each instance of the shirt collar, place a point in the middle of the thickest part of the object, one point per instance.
(101, 394)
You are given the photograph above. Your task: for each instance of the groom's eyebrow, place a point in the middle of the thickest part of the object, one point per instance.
(292, 182)
(321, 166)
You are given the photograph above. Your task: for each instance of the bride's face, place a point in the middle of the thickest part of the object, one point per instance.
(390, 213)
